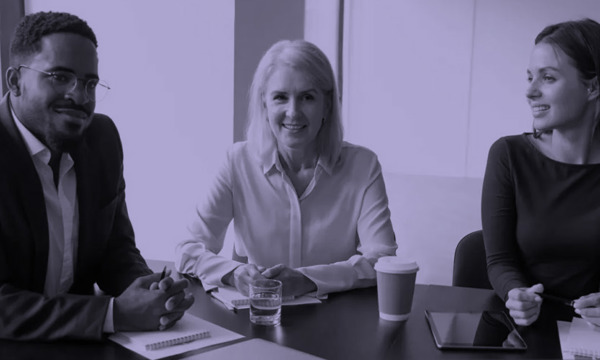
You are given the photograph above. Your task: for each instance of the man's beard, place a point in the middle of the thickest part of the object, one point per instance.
(67, 145)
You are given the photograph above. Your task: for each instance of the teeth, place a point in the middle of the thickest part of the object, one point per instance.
(293, 126)
(540, 107)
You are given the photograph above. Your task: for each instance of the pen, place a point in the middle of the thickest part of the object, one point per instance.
(556, 298)
(164, 272)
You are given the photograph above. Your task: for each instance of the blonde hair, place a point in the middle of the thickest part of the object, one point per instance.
(307, 57)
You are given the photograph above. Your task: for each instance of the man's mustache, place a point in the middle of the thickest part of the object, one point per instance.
(76, 107)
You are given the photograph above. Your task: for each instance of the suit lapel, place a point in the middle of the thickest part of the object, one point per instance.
(87, 175)
(28, 195)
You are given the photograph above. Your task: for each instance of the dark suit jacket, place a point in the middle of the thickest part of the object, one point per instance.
(107, 254)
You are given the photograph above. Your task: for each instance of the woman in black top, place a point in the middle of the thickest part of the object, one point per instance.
(541, 191)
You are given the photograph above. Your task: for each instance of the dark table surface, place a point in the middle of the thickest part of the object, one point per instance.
(345, 326)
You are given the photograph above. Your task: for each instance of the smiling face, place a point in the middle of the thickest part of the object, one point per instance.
(557, 94)
(57, 119)
(295, 108)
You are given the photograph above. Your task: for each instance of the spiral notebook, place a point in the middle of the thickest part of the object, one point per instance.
(583, 339)
(156, 340)
(189, 333)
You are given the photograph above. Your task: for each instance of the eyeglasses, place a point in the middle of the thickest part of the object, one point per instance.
(65, 81)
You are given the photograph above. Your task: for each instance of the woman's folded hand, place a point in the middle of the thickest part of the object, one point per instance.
(294, 282)
(524, 305)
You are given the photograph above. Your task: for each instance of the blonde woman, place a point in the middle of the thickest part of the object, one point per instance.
(309, 209)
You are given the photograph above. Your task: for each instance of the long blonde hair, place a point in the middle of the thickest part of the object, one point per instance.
(307, 57)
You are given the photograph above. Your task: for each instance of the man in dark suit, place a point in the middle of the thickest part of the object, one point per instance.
(63, 219)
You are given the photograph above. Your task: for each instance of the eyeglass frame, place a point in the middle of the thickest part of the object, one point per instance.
(86, 82)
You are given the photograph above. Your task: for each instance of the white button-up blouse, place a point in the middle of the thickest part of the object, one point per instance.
(333, 233)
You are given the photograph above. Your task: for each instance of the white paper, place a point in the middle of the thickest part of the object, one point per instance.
(584, 338)
(229, 295)
(563, 335)
(255, 349)
(217, 335)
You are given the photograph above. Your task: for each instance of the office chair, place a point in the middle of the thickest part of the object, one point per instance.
(470, 266)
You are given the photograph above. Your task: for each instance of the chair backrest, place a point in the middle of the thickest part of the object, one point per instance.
(470, 266)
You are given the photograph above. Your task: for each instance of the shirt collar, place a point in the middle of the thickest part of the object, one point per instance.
(34, 145)
(325, 166)
(270, 161)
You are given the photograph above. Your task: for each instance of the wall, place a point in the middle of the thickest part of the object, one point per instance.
(407, 77)
(11, 12)
(258, 25)
(322, 27)
(170, 67)
(429, 85)
(504, 37)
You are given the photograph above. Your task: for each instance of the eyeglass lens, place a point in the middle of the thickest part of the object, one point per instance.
(66, 81)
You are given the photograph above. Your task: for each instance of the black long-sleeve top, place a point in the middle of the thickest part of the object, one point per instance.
(541, 220)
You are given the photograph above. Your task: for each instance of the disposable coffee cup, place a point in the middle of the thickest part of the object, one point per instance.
(395, 287)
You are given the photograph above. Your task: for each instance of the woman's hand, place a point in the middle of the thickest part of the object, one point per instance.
(294, 282)
(588, 307)
(524, 305)
(242, 276)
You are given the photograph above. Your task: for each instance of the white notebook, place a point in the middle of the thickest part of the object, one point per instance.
(189, 333)
(583, 339)
(255, 349)
(234, 299)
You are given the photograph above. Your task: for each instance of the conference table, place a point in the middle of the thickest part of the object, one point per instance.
(345, 326)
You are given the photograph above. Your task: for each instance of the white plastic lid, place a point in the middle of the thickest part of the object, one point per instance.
(396, 265)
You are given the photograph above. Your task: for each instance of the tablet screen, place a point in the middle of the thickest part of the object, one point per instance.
(474, 330)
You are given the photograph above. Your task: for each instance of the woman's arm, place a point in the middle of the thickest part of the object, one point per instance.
(375, 239)
(499, 218)
(198, 255)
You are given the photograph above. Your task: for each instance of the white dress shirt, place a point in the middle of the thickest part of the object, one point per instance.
(62, 211)
(333, 233)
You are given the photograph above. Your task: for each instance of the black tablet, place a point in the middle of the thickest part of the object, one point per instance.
(486, 330)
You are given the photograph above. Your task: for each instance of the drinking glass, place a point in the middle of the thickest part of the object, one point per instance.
(265, 302)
